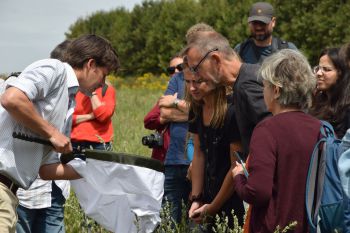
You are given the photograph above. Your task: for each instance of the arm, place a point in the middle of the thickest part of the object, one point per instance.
(103, 110)
(257, 189)
(22, 110)
(58, 171)
(226, 189)
(168, 101)
(172, 115)
(198, 165)
(82, 118)
(254, 105)
(152, 119)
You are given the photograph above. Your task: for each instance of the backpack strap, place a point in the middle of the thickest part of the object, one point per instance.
(104, 89)
(243, 45)
(327, 129)
(315, 181)
(278, 44)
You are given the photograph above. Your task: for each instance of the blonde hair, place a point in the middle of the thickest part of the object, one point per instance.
(219, 94)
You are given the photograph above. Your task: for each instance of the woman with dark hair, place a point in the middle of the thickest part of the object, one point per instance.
(332, 99)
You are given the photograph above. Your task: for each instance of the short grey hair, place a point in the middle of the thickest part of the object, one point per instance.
(199, 27)
(290, 71)
(211, 41)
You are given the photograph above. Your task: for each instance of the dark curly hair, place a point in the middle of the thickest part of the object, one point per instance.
(334, 106)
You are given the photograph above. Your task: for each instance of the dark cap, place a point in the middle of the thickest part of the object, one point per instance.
(261, 11)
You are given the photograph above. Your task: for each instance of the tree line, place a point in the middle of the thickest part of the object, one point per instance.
(147, 36)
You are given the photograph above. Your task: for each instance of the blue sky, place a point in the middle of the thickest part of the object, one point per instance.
(31, 29)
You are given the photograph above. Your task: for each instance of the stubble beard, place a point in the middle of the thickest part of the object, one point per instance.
(262, 37)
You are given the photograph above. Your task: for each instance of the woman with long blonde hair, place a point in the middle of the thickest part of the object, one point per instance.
(216, 137)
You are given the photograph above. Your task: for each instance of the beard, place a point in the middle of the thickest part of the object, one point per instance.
(261, 37)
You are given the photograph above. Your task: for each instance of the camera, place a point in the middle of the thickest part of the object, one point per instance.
(153, 140)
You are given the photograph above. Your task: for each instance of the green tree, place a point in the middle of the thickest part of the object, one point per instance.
(153, 31)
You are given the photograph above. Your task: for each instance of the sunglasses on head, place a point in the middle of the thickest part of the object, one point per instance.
(172, 69)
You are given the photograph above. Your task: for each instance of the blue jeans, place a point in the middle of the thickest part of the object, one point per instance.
(176, 189)
(46, 220)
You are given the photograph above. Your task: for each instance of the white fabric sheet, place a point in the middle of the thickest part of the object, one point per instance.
(115, 194)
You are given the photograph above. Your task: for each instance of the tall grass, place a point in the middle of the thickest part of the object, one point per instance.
(132, 106)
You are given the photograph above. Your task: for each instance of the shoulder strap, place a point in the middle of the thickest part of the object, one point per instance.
(278, 44)
(314, 183)
(104, 89)
(243, 45)
(316, 175)
(327, 129)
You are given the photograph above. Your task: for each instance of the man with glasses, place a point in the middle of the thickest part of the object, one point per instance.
(212, 58)
(261, 43)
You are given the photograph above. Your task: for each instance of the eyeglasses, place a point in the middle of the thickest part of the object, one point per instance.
(171, 69)
(324, 69)
(194, 69)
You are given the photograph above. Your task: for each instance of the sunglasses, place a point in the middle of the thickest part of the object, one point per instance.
(172, 69)
(194, 69)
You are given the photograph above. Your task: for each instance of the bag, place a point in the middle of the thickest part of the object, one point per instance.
(324, 195)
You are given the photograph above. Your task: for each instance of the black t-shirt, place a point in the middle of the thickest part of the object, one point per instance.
(215, 145)
(248, 98)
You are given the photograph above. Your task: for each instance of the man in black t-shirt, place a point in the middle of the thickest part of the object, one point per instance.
(261, 42)
(211, 58)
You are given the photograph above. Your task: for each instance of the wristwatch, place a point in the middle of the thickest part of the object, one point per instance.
(196, 198)
(176, 103)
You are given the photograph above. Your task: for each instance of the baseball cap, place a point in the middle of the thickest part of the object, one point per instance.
(261, 11)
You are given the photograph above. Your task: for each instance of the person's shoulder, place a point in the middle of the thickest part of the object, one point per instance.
(44, 64)
(266, 125)
(291, 45)
(250, 67)
(266, 122)
(285, 44)
(249, 72)
(237, 47)
(178, 76)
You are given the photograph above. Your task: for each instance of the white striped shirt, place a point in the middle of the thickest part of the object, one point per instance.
(46, 84)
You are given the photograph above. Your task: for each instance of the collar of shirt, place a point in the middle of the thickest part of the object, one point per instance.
(72, 80)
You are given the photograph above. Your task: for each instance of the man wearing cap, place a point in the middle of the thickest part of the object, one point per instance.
(261, 43)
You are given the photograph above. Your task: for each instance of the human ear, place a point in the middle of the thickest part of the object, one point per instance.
(216, 58)
(273, 22)
(91, 63)
(276, 92)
